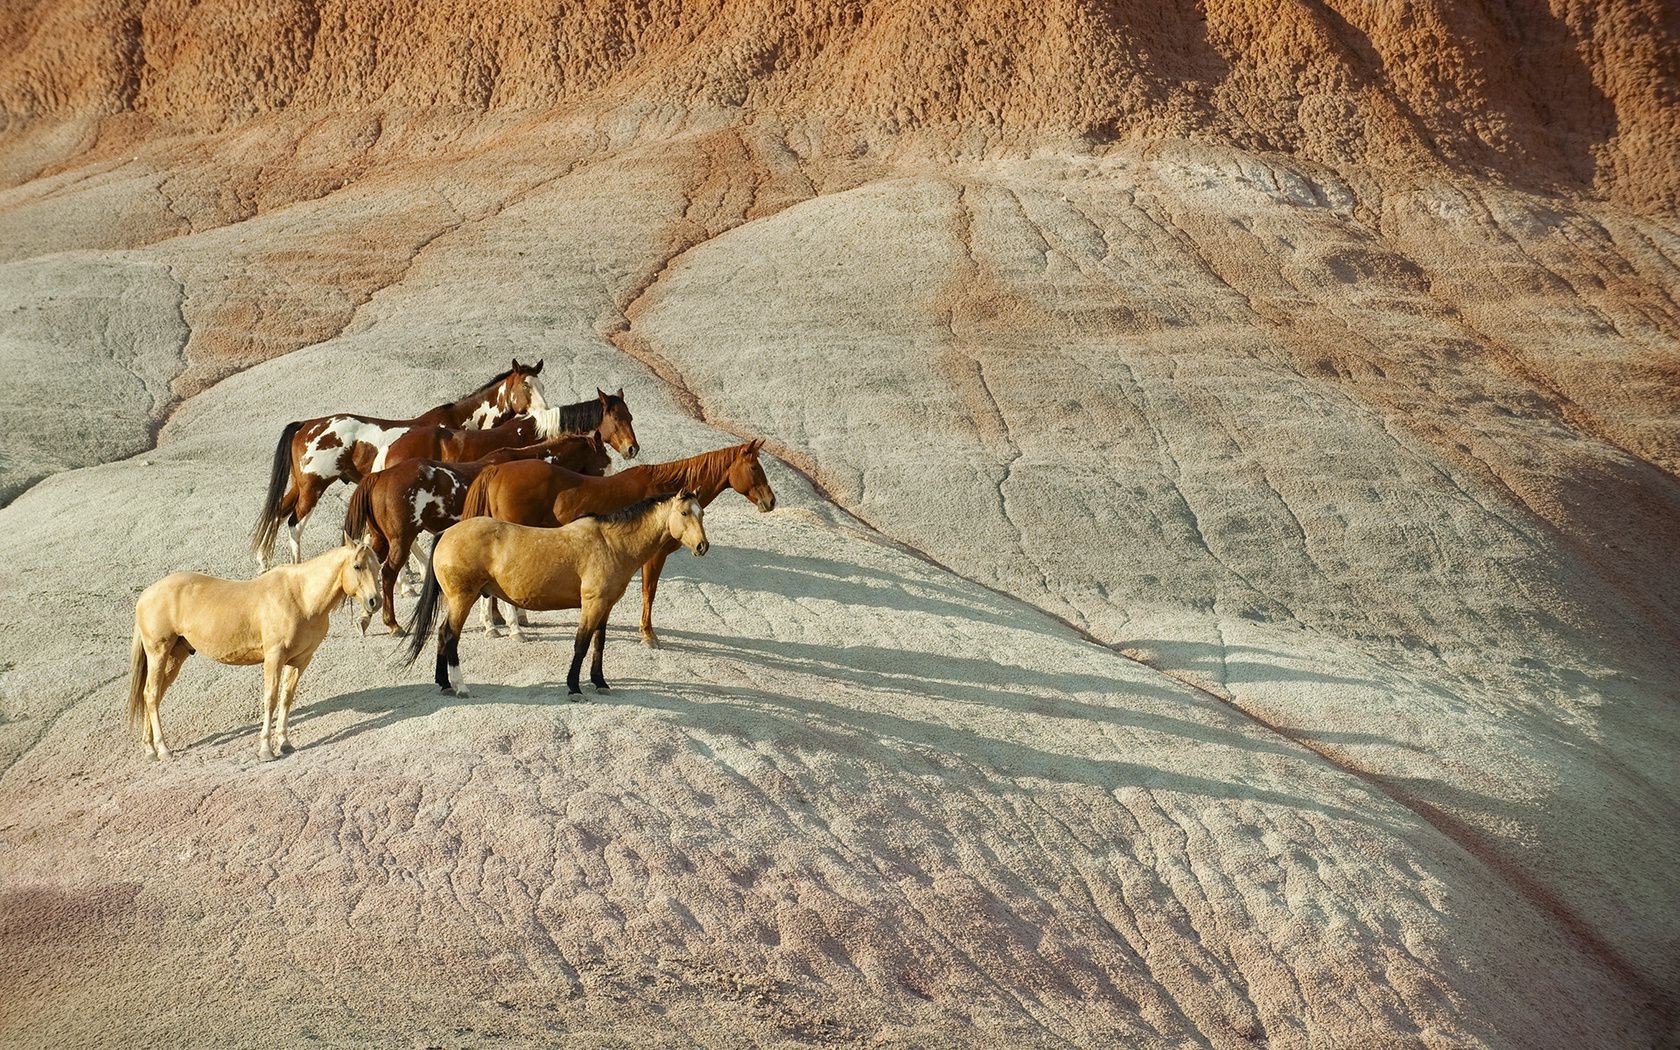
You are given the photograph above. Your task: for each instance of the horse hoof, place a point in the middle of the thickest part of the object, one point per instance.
(397, 631)
(651, 641)
(602, 687)
(286, 748)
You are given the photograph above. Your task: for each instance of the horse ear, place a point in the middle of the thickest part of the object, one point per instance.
(537, 371)
(516, 364)
(602, 394)
(754, 445)
(620, 394)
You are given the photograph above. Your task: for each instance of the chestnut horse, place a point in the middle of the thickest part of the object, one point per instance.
(316, 453)
(393, 506)
(585, 566)
(530, 492)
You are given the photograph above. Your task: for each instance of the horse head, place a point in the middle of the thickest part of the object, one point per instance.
(746, 476)
(359, 579)
(615, 423)
(687, 522)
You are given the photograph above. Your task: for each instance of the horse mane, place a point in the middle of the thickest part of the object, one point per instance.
(632, 512)
(580, 417)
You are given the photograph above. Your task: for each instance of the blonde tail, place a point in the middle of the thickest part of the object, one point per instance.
(136, 679)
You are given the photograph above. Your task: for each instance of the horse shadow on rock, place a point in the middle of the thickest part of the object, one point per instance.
(875, 738)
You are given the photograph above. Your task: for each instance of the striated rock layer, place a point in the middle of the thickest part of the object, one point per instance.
(1224, 589)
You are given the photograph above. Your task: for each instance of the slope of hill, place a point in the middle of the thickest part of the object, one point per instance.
(1225, 588)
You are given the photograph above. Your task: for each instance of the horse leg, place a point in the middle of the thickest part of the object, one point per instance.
(411, 578)
(270, 697)
(516, 621)
(151, 728)
(309, 494)
(387, 582)
(491, 617)
(289, 676)
(650, 586)
(589, 612)
(595, 674)
(288, 503)
(448, 675)
(173, 661)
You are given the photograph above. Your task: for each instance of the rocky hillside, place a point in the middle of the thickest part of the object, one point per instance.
(1224, 591)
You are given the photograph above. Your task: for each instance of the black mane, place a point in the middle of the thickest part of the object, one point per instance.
(632, 512)
(581, 417)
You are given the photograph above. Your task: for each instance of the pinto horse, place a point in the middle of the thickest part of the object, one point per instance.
(585, 566)
(530, 492)
(393, 506)
(315, 453)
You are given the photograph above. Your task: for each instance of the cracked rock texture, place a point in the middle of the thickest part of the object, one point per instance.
(1224, 590)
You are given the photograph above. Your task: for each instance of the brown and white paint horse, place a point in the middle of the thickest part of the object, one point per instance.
(313, 454)
(395, 505)
(534, 493)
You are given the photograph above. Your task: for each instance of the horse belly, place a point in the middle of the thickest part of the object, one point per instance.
(530, 582)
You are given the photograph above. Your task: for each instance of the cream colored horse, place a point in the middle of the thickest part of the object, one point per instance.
(277, 620)
(584, 565)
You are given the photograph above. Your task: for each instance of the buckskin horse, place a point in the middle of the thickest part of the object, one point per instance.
(393, 506)
(315, 453)
(534, 493)
(585, 566)
(277, 620)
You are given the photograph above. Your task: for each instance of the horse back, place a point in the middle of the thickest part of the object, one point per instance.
(223, 619)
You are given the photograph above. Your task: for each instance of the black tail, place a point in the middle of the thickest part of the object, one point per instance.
(425, 610)
(268, 522)
(358, 517)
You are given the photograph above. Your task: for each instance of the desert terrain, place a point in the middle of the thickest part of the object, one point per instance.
(1225, 583)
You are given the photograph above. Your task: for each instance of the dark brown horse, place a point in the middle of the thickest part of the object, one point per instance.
(530, 492)
(315, 453)
(393, 506)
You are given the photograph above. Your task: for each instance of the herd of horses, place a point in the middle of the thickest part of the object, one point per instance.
(525, 511)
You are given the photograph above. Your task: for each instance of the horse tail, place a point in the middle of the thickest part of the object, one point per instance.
(268, 521)
(136, 678)
(425, 610)
(358, 516)
(478, 495)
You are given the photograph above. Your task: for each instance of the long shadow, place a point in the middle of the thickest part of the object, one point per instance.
(796, 576)
(967, 680)
(764, 717)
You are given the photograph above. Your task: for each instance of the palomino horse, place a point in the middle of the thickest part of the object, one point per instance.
(277, 620)
(315, 453)
(585, 565)
(393, 506)
(534, 493)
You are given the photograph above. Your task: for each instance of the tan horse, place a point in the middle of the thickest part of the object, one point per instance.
(585, 565)
(277, 620)
(537, 493)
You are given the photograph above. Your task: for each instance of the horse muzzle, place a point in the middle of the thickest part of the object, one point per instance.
(701, 548)
(631, 452)
(767, 504)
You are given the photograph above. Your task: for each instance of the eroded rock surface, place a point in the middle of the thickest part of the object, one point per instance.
(1224, 588)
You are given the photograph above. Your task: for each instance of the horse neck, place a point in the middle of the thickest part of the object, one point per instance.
(637, 540)
(321, 583)
(461, 411)
(581, 418)
(707, 474)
